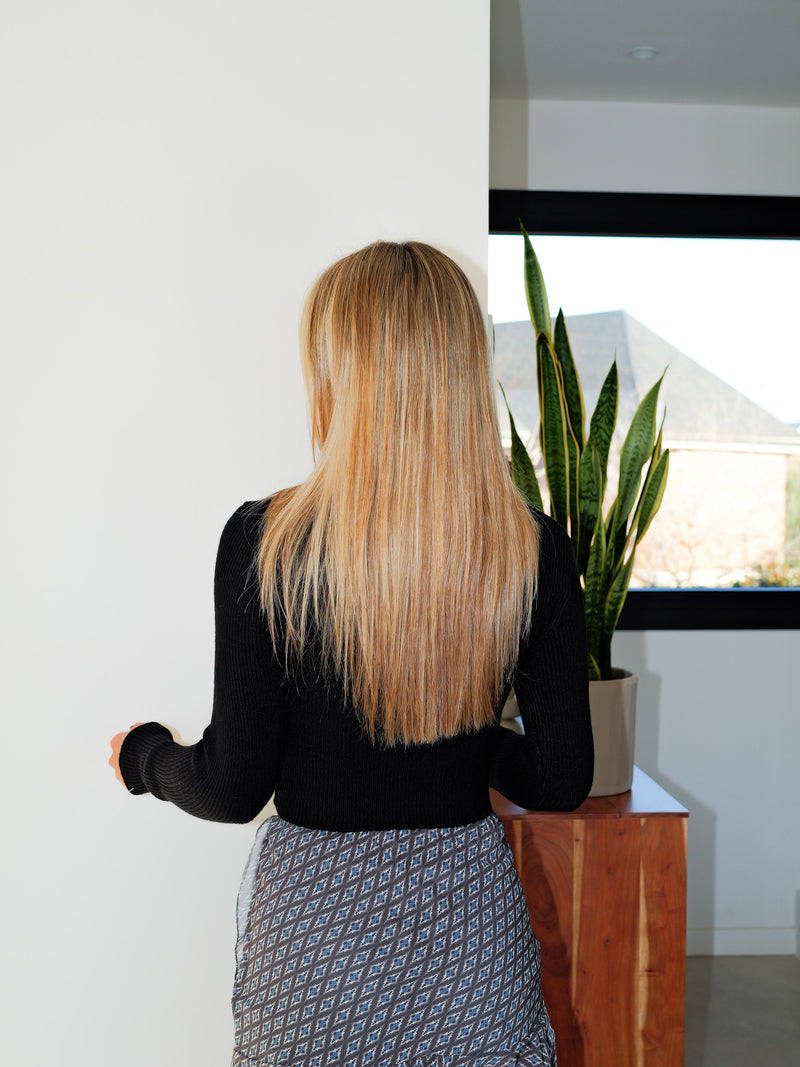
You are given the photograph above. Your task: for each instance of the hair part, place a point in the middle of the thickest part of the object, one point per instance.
(407, 556)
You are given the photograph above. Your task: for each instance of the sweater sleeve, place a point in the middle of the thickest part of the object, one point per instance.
(550, 768)
(231, 773)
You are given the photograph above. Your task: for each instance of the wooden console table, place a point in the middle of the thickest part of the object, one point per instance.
(606, 890)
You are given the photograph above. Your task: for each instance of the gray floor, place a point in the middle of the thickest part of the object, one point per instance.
(743, 1011)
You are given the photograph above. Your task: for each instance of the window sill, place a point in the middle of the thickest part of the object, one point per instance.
(711, 609)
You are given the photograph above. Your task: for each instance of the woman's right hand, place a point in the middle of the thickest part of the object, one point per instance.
(116, 744)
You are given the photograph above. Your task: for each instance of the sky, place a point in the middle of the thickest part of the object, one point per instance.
(730, 305)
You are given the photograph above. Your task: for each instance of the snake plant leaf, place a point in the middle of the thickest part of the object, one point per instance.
(621, 544)
(594, 669)
(604, 417)
(616, 549)
(540, 394)
(573, 460)
(616, 596)
(591, 489)
(535, 291)
(573, 393)
(522, 472)
(553, 417)
(652, 495)
(644, 493)
(612, 609)
(593, 590)
(636, 450)
(576, 469)
(660, 439)
(612, 511)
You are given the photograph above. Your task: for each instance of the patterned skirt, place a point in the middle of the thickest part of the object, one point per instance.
(386, 948)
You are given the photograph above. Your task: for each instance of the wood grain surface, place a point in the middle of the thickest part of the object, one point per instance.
(606, 891)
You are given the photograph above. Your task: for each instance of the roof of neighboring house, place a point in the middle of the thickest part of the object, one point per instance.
(700, 406)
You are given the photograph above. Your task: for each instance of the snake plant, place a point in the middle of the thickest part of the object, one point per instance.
(576, 470)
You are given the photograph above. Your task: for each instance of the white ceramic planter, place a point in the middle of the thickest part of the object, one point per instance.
(613, 706)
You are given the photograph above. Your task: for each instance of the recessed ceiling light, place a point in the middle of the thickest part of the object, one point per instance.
(643, 51)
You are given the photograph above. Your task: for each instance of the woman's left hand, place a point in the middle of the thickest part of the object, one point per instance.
(116, 745)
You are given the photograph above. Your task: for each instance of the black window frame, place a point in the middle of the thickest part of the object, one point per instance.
(667, 215)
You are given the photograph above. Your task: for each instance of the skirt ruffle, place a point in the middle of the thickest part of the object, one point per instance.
(538, 1050)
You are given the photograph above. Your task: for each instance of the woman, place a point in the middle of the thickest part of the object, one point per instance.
(370, 623)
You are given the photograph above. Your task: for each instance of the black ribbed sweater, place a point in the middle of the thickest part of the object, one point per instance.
(297, 738)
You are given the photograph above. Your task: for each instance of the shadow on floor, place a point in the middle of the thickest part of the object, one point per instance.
(742, 1011)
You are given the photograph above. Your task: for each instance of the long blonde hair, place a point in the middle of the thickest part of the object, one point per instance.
(407, 556)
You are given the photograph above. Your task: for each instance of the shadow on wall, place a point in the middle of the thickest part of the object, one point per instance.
(702, 821)
(508, 148)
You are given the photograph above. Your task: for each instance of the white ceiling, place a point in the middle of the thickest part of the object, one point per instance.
(744, 52)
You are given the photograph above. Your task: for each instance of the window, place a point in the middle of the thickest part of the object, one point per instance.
(705, 284)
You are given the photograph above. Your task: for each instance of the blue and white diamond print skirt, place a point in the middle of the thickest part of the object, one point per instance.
(386, 947)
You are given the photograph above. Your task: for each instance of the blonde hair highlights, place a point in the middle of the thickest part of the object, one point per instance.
(407, 554)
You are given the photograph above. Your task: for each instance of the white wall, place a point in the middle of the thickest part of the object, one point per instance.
(174, 175)
(719, 712)
(644, 148)
(719, 727)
